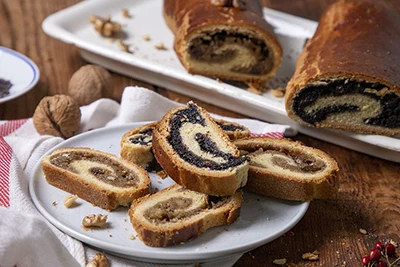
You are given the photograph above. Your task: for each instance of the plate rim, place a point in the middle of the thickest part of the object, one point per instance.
(31, 64)
(123, 251)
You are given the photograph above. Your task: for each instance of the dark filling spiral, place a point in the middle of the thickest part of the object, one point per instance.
(204, 48)
(390, 103)
(192, 115)
(229, 127)
(122, 177)
(140, 137)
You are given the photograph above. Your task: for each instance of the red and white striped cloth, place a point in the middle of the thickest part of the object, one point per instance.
(26, 238)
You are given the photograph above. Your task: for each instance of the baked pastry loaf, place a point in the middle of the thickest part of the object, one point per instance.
(223, 41)
(232, 129)
(176, 214)
(194, 151)
(136, 147)
(289, 170)
(97, 177)
(348, 76)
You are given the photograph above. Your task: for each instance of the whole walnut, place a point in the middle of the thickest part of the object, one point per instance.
(57, 115)
(89, 84)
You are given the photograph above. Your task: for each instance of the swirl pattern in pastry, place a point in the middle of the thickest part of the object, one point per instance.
(286, 169)
(196, 153)
(100, 178)
(176, 215)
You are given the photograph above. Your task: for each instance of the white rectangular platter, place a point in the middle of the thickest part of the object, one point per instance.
(162, 67)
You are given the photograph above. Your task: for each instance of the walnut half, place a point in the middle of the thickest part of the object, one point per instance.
(99, 260)
(94, 220)
(105, 26)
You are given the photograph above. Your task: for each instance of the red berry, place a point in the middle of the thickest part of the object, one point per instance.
(374, 254)
(365, 260)
(379, 245)
(390, 250)
(382, 264)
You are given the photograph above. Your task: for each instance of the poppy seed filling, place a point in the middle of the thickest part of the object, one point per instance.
(143, 137)
(230, 127)
(389, 116)
(192, 115)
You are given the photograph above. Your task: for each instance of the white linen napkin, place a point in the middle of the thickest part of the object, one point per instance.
(26, 238)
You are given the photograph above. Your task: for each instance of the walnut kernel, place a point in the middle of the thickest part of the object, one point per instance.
(57, 115)
(279, 262)
(160, 46)
(89, 83)
(69, 200)
(105, 26)
(311, 256)
(125, 13)
(146, 37)
(123, 46)
(94, 220)
(99, 260)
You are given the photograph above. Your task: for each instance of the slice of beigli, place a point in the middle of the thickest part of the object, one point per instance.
(289, 170)
(136, 147)
(232, 129)
(176, 214)
(196, 153)
(97, 177)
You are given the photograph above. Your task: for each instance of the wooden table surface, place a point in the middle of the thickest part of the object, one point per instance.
(369, 195)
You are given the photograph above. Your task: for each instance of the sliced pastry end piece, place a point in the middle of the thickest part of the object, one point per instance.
(176, 214)
(136, 147)
(223, 42)
(348, 75)
(289, 170)
(197, 154)
(97, 177)
(232, 129)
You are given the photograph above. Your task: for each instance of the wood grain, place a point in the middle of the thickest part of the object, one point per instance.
(369, 187)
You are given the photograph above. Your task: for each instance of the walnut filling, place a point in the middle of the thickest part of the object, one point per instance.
(286, 161)
(221, 46)
(346, 100)
(195, 144)
(176, 209)
(99, 167)
(143, 138)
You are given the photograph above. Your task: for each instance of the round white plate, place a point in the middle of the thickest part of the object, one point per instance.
(19, 70)
(262, 219)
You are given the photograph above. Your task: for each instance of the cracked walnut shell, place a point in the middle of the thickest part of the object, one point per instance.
(57, 115)
(88, 84)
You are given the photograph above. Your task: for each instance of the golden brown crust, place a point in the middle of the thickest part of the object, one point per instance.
(355, 39)
(220, 183)
(96, 192)
(271, 183)
(186, 17)
(183, 231)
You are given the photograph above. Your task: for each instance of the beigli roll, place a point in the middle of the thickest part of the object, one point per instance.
(232, 41)
(348, 75)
